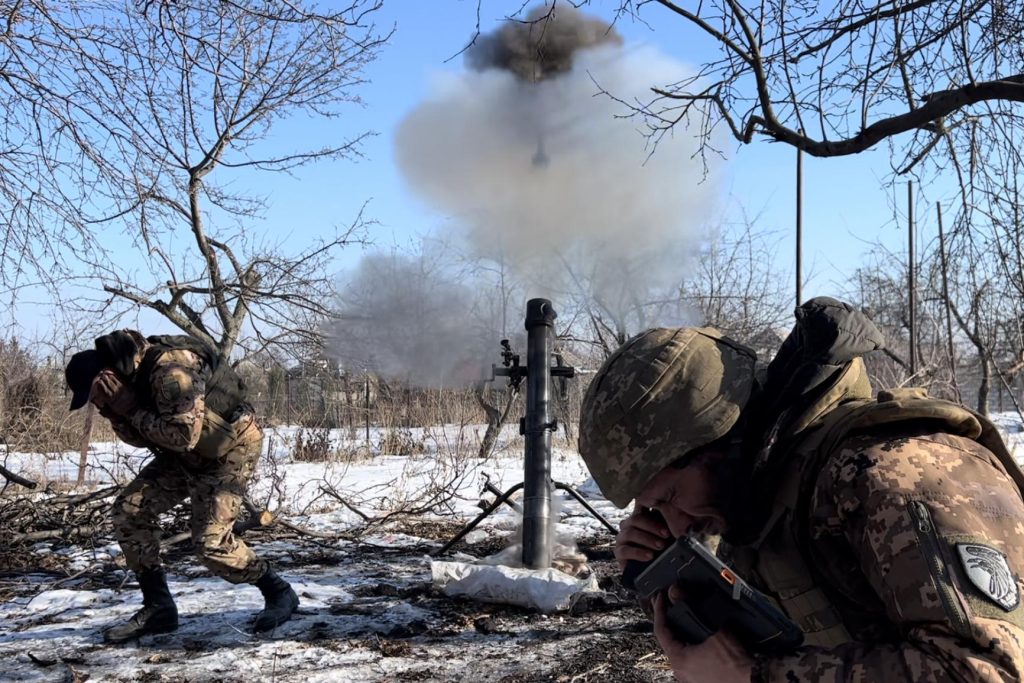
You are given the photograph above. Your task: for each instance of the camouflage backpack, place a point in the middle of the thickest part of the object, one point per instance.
(777, 556)
(225, 389)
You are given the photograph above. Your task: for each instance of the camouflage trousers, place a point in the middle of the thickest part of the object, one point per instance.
(216, 487)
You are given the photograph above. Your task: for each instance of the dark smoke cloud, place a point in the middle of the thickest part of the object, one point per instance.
(541, 46)
(415, 318)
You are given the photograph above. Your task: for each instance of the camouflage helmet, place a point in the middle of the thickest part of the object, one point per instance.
(661, 395)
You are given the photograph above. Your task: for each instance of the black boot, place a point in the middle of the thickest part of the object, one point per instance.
(158, 613)
(281, 601)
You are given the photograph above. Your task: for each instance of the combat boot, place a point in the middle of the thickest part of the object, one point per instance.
(281, 601)
(158, 613)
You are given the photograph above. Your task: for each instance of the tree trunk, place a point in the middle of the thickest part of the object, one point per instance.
(495, 418)
(986, 380)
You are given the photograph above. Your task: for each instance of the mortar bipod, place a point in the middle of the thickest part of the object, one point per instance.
(504, 498)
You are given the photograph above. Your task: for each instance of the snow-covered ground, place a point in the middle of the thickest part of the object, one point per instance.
(369, 611)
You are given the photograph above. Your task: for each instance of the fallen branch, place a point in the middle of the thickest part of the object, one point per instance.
(331, 491)
(258, 517)
(78, 518)
(47, 534)
(39, 661)
(344, 536)
(82, 498)
(72, 577)
(16, 479)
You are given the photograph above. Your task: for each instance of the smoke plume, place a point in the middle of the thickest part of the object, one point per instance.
(541, 46)
(413, 317)
(546, 173)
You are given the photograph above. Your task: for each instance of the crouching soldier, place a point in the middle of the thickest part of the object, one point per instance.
(169, 394)
(889, 529)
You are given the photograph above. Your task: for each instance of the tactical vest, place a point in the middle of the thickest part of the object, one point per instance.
(777, 557)
(225, 390)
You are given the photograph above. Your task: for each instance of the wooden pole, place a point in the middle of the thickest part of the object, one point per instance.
(367, 401)
(83, 458)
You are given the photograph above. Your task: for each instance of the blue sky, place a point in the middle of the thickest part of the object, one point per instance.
(846, 205)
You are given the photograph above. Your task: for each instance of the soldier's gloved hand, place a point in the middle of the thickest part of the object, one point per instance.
(110, 394)
(104, 387)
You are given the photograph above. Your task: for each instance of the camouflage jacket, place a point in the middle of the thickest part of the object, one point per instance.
(170, 417)
(916, 536)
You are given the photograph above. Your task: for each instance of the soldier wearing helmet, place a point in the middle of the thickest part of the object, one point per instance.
(890, 529)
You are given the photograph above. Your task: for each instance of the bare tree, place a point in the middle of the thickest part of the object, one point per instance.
(493, 313)
(986, 258)
(613, 301)
(182, 95)
(967, 283)
(879, 288)
(734, 287)
(431, 317)
(994, 226)
(839, 78)
(55, 153)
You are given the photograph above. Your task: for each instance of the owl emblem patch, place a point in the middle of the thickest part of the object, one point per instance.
(990, 573)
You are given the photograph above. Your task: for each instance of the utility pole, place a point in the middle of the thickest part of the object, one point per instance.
(799, 223)
(366, 386)
(945, 296)
(911, 279)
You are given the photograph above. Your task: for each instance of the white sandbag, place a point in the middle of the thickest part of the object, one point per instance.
(565, 558)
(546, 590)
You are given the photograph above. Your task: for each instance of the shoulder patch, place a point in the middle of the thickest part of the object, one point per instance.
(990, 573)
(176, 384)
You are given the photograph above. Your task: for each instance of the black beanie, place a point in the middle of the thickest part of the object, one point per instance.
(117, 350)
